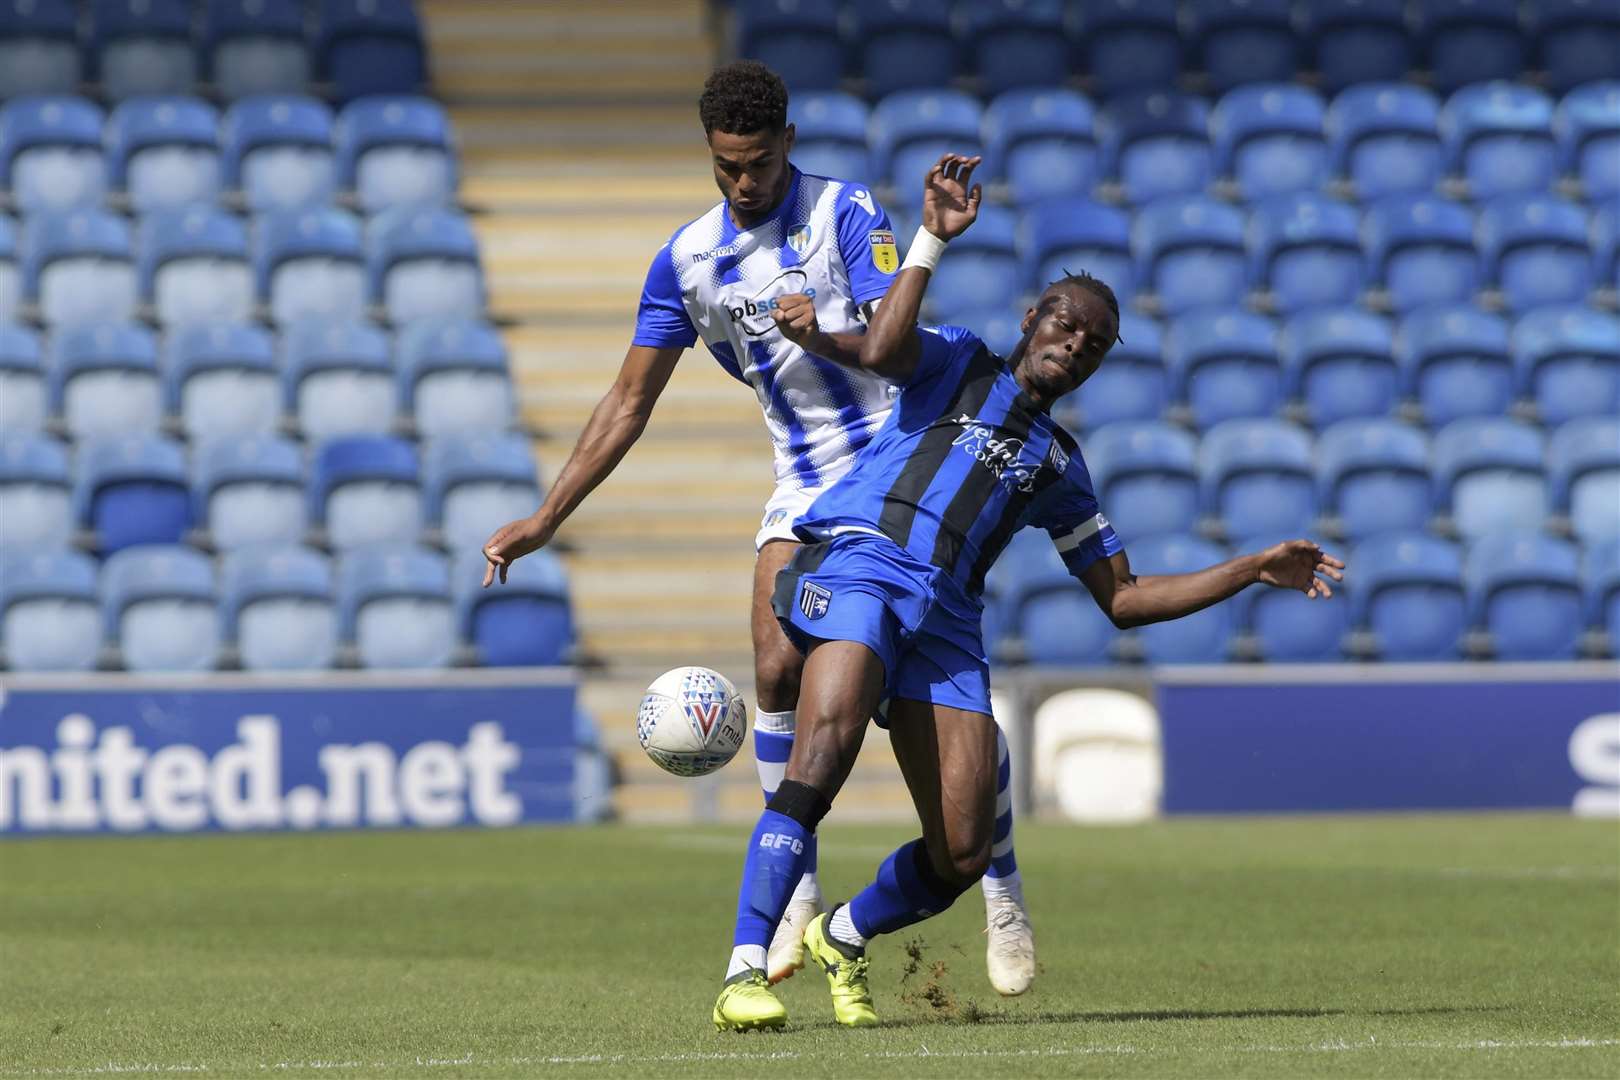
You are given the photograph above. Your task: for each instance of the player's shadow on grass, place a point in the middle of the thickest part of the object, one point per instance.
(1136, 1016)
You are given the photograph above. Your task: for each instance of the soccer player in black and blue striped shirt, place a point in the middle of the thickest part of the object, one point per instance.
(885, 598)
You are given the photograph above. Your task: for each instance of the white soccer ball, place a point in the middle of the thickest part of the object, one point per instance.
(691, 721)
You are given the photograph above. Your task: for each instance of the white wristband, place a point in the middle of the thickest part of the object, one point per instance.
(926, 248)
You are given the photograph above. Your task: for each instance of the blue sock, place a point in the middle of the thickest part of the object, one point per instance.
(775, 862)
(1003, 863)
(771, 752)
(907, 890)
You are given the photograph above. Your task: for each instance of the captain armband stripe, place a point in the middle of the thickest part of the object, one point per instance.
(1080, 533)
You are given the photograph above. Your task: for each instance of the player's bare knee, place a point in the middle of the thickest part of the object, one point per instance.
(777, 668)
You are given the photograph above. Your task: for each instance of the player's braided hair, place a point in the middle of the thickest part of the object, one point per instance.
(743, 97)
(1094, 285)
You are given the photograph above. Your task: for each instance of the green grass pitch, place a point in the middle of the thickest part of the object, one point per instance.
(1396, 946)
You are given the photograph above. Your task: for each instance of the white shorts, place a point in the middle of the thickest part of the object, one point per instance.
(787, 504)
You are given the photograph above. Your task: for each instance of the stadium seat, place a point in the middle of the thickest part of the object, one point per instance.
(1535, 250)
(370, 47)
(158, 600)
(981, 267)
(1409, 593)
(1156, 144)
(1358, 41)
(1189, 251)
(1568, 361)
(1290, 627)
(194, 267)
(527, 622)
(132, 491)
(1455, 362)
(998, 327)
(1587, 126)
(1421, 249)
(1042, 143)
(279, 608)
(1131, 384)
(11, 281)
(477, 483)
(396, 151)
(453, 377)
(1498, 137)
(1258, 478)
(339, 381)
(1577, 41)
(1583, 459)
(221, 381)
(1341, 363)
(1268, 139)
(278, 151)
(1224, 364)
(1470, 41)
(1200, 638)
(1601, 578)
(830, 135)
(79, 267)
(797, 39)
(1062, 235)
(364, 490)
(395, 606)
(310, 265)
(50, 153)
(1525, 590)
(1243, 41)
(22, 381)
(143, 47)
(423, 264)
(910, 129)
(39, 48)
(1606, 245)
(36, 504)
(250, 490)
(1488, 471)
(163, 151)
(1129, 45)
(104, 380)
(1385, 139)
(253, 47)
(1017, 43)
(1373, 476)
(904, 44)
(1048, 611)
(50, 617)
(1146, 477)
(1306, 250)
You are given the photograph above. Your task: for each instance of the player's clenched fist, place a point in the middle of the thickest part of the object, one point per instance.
(795, 315)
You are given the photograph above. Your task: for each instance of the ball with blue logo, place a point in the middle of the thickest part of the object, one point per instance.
(691, 721)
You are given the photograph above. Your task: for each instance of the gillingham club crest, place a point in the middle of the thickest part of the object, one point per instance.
(813, 600)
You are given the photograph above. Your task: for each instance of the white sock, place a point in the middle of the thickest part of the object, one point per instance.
(744, 957)
(1012, 885)
(842, 927)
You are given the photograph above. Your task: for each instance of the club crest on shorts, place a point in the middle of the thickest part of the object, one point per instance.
(885, 256)
(813, 600)
(798, 238)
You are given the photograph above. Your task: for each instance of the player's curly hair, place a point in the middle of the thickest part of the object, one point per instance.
(743, 97)
(1094, 285)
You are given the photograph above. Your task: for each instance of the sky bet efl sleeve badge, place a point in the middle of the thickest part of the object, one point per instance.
(885, 256)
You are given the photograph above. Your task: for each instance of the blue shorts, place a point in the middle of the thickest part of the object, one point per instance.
(867, 589)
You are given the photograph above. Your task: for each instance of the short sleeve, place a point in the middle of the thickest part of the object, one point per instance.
(1069, 513)
(662, 321)
(866, 243)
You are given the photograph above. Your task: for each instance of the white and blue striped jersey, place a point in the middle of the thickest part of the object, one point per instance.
(829, 239)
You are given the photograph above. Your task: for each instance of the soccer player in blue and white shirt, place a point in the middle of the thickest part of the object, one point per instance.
(777, 232)
(885, 598)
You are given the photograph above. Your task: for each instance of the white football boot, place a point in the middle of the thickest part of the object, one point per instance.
(786, 954)
(1010, 950)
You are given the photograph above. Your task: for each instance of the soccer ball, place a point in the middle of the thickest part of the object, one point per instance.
(691, 721)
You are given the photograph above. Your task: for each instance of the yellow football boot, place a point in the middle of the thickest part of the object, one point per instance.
(846, 975)
(747, 1004)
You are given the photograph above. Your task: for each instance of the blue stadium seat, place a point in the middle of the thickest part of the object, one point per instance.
(1421, 249)
(1050, 612)
(36, 505)
(423, 264)
(22, 381)
(1470, 41)
(797, 39)
(132, 491)
(279, 608)
(477, 483)
(255, 47)
(1409, 593)
(1269, 139)
(1189, 251)
(1146, 477)
(310, 265)
(1568, 361)
(1077, 234)
(1583, 459)
(370, 47)
(250, 490)
(1374, 477)
(339, 381)
(1577, 41)
(50, 153)
(158, 600)
(1290, 627)
(1386, 139)
(1243, 41)
(79, 267)
(981, 267)
(1200, 638)
(1358, 41)
(830, 135)
(453, 377)
(396, 151)
(50, 617)
(1156, 144)
(1601, 578)
(999, 327)
(164, 152)
(912, 128)
(194, 267)
(1455, 362)
(278, 150)
(1606, 244)
(1525, 590)
(1535, 250)
(142, 47)
(1017, 43)
(39, 47)
(1488, 471)
(1042, 143)
(1498, 137)
(364, 490)
(1306, 249)
(1224, 364)
(1587, 126)
(221, 380)
(395, 606)
(1128, 45)
(904, 44)
(1131, 384)
(1258, 477)
(1341, 363)
(11, 282)
(104, 380)
(526, 622)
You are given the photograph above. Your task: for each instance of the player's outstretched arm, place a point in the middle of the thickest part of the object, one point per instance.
(615, 424)
(1129, 600)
